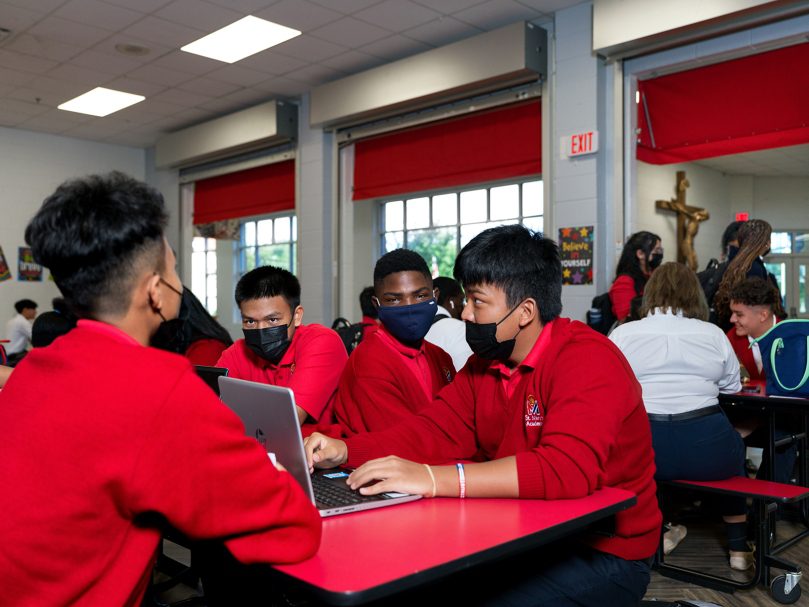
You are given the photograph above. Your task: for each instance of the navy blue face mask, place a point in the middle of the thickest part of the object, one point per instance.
(408, 324)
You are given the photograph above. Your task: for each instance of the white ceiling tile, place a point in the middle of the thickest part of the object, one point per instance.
(54, 88)
(181, 97)
(136, 87)
(155, 50)
(106, 62)
(447, 7)
(98, 14)
(188, 63)
(43, 47)
(22, 107)
(199, 15)
(158, 108)
(6, 89)
(350, 32)
(496, 13)
(192, 116)
(235, 74)
(43, 6)
(13, 77)
(395, 47)
(26, 63)
(346, 6)
(272, 62)
(47, 98)
(75, 73)
(282, 87)
(97, 129)
(136, 139)
(248, 7)
(317, 74)
(300, 14)
(142, 6)
(208, 86)
(309, 49)
(397, 15)
(160, 75)
(18, 18)
(442, 31)
(234, 102)
(12, 118)
(549, 6)
(57, 121)
(69, 32)
(352, 61)
(167, 33)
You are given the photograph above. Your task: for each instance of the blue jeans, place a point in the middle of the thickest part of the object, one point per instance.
(565, 574)
(700, 449)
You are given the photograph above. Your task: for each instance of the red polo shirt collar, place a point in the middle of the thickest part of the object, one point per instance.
(532, 360)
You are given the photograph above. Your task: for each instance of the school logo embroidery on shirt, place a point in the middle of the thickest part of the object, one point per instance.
(533, 414)
(447, 374)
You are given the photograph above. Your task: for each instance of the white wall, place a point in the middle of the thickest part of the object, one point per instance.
(782, 201)
(32, 165)
(709, 189)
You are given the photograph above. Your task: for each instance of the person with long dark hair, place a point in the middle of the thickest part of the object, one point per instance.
(754, 243)
(194, 333)
(642, 253)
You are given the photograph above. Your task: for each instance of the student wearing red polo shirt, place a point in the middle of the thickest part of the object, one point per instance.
(279, 349)
(553, 406)
(394, 372)
(106, 441)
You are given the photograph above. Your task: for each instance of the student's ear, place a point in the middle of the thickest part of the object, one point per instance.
(153, 291)
(297, 316)
(529, 310)
(436, 293)
(375, 301)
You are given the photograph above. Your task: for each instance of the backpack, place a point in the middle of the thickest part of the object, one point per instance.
(785, 357)
(709, 280)
(351, 334)
(600, 316)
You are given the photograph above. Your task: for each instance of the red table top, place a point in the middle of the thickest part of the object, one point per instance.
(367, 555)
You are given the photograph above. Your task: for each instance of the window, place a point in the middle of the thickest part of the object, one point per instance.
(437, 226)
(203, 271)
(268, 242)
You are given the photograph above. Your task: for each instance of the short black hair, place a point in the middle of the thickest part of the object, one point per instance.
(731, 233)
(447, 287)
(94, 234)
(756, 291)
(48, 326)
(269, 281)
(23, 304)
(517, 260)
(400, 260)
(367, 304)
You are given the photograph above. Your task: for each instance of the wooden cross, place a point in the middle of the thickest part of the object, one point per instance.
(688, 220)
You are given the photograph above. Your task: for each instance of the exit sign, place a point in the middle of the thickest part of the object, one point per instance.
(579, 144)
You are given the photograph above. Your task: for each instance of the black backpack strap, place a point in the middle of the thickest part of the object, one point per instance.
(439, 317)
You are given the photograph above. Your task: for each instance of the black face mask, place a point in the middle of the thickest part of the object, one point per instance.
(482, 339)
(174, 334)
(655, 259)
(732, 250)
(269, 343)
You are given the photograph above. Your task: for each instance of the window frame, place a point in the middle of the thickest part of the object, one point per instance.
(241, 246)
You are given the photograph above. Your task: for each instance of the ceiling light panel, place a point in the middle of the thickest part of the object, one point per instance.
(101, 102)
(241, 39)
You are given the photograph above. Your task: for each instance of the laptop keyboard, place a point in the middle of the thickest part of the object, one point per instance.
(331, 494)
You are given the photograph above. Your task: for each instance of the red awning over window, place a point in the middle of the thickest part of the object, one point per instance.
(265, 189)
(753, 103)
(486, 146)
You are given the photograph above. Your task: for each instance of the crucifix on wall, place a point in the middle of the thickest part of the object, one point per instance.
(688, 220)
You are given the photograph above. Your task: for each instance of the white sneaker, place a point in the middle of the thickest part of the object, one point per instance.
(741, 561)
(673, 537)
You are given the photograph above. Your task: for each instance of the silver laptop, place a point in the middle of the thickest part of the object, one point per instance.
(269, 416)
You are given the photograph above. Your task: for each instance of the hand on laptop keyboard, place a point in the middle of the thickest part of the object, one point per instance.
(324, 452)
(392, 474)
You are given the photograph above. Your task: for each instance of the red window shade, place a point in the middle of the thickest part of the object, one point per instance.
(496, 144)
(265, 189)
(743, 105)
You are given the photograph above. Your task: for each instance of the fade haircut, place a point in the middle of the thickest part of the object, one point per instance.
(367, 304)
(517, 260)
(96, 234)
(447, 287)
(23, 304)
(756, 291)
(269, 281)
(400, 260)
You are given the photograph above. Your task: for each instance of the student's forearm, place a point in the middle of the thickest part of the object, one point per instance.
(5, 373)
(497, 478)
(302, 415)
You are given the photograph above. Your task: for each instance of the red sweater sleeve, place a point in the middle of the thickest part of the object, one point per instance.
(442, 432)
(221, 483)
(583, 422)
(622, 292)
(319, 363)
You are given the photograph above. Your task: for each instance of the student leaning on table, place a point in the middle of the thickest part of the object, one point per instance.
(555, 408)
(105, 440)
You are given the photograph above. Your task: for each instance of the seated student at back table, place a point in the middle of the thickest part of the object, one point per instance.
(278, 349)
(106, 440)
(395, 371)
(552, 404)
